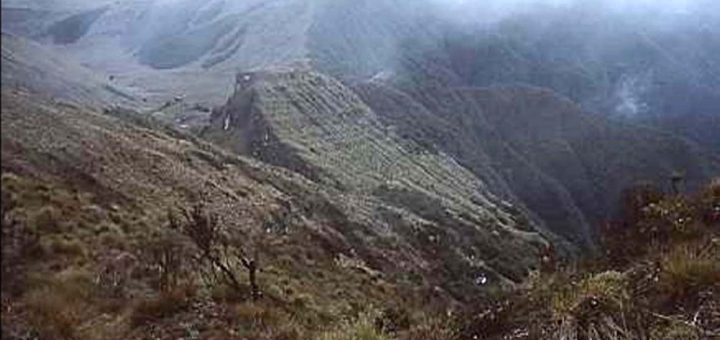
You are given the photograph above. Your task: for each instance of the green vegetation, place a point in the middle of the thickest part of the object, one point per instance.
(659, 280)
(89, 251)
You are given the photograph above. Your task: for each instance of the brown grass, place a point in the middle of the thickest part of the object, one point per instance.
(164, 305)
(58, 307)
(689, 268)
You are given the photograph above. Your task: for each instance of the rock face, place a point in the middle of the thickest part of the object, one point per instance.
(413, 199)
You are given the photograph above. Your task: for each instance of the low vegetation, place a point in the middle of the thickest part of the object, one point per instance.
(659, 279)
(87, 258)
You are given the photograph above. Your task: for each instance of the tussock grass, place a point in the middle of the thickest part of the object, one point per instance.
(363, 327)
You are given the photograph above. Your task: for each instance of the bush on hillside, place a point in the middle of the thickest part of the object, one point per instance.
(660, 282)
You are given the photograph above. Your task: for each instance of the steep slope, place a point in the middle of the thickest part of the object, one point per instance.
(638, 65)
(30, 65)
(91, 188)
(169, 48)
(659, 70)
(362, 39)
(193, 48)
(541, 150)
(417, 199)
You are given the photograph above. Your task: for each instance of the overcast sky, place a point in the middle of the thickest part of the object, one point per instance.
(495, 10)
(669, 6)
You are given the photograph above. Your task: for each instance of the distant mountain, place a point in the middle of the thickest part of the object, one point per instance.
(541, 150)
(27, 64)
(528, 145)
(648, 83)
(655, 68)
(413, 157)
(194, 48)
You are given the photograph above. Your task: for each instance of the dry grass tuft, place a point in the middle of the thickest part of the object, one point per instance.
(58, 307)
(432, 328)
(364, 327)
(688, 268)
(605, 292)
(163, 305)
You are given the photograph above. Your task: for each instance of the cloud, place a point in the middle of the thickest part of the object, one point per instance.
(489, 11)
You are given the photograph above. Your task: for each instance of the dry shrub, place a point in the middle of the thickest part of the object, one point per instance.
(58, 307)
(20, 245)
(653, 223)
(675, 331)
(260, 320)
(259, 315)
(165, 304)
(53, 316)
(290, 330)
(710, 203)
(165, 260)
(689, 268)
(66, 247)
(607, 291)
(364, 327)
(432, 328)
(216, 249)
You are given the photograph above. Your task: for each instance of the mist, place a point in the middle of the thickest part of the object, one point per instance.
(492, 11)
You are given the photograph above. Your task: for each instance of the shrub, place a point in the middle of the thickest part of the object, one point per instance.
(215, 248)
(675, 331)
(165, 304)
(67, 247)
(52, 316)
(47, 219)
(653, 223)
(606, 292)
(58, 306)
(361, 328)
(259, 315)
(689, 268)
(19, 246)
(710, 203)
(164, 256)
(432, 328)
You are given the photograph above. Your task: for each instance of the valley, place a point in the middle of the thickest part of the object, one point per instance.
(316, 169)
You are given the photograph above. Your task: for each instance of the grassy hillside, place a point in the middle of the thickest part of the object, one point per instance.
(32, 66)
(89, 251)
(657, 278)
(419, 205)
(95, 245)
